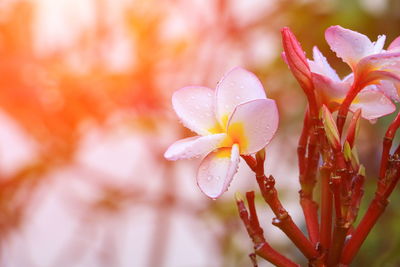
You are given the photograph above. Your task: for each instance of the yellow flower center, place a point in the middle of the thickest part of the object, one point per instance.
(235, 134)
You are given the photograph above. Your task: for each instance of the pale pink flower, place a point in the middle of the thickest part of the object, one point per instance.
(369, 62)
(234, 119)
(331, 90)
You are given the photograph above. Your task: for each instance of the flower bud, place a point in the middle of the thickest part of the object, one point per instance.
(295, 57)
(352, 132)
(330, 127)
(361, 170)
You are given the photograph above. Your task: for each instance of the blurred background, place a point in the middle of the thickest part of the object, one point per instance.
(85, 117)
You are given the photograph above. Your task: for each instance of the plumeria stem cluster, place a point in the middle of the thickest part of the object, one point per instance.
(237, 120)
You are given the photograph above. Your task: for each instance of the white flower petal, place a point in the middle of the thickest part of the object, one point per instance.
(236, 87)
(331, 93)
(321, 66)
(194, 146)
(216, 171)
(194, 105)
(378, 45)
(390, 88)
(349, 45)
(253, 124)
(395, 45)
(373, 104)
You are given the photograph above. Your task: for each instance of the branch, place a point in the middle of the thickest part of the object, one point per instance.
(261, 247)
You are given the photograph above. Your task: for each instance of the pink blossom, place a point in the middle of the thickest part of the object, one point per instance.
(234, 119)
(331, 90)
(370, 63)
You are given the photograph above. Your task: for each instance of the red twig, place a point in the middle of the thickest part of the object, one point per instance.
(344, 107)
(307, 176)
(261, 247)
(338, 183)
(283, 219)
(357, 193)
(375, 210)
(387, 144)
(302, 145)
(326, 209)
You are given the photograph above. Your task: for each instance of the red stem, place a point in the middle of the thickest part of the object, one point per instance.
(261, 247)
(310, 211)
(376, 208)
(341, 226)
(307, 176)
(335, 183)
(357, 193)
(251, 162)
(301, 148)
(387, 143)
(344, 107)
(267, 252)
(283, 219)
(326, 209)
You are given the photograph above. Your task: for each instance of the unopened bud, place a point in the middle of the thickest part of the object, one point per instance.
(331, 130)
(354, 125)
(361, 170)
(295, 57)
(347, 151)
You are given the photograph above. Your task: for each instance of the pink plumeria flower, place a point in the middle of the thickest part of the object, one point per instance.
(368, 60)
(234, 119)
(331, 90)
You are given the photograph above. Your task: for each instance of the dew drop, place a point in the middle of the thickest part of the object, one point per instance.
(209, 178)
(209, 94)
(237, 97)
(192, 97)
(276, 221)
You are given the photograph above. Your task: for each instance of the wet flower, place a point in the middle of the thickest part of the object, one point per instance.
(234, 119)
(331, 90)
(369, 62)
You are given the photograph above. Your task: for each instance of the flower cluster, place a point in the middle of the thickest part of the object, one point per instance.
(373, 82)
(238, 120)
